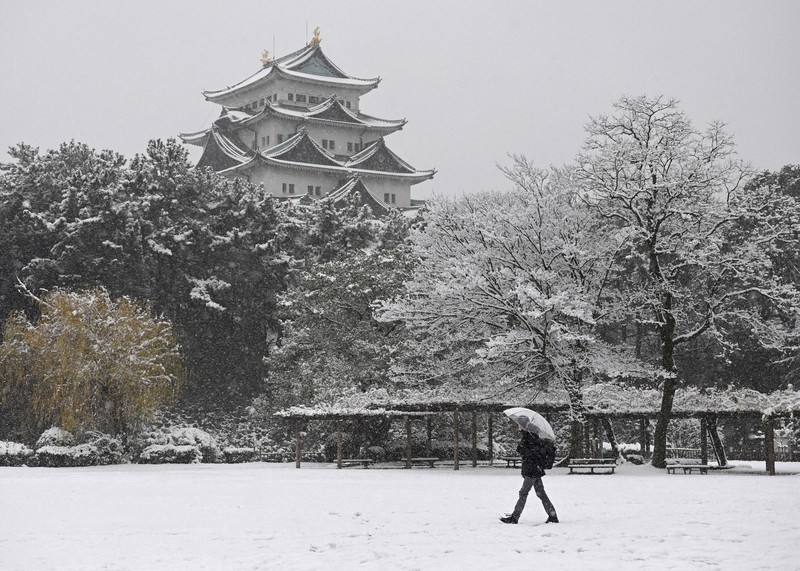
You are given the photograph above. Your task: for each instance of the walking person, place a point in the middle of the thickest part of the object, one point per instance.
(537, 455)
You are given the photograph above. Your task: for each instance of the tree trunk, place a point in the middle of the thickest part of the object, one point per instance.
(719, 449)
(611, 438)
(577, 416)
(667, 329)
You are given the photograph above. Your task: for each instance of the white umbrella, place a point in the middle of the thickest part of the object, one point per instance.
(531, 421)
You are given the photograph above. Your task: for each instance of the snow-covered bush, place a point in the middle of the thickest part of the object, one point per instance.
(170, 446)
(67, 456)
(202, 440)
(109, 449)
(170, 454)
(56, 448)
(14, 454)
(55, 436)
(235, 455)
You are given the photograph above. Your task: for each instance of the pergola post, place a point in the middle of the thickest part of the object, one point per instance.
(598, 433)
(429, 430)
(339, 444)
(407, 419)
(455, 439)
(643, 440)
(703, 440)
(474, 438)
(588, 450)
(769, 445)
(298, 444)
(491, 438)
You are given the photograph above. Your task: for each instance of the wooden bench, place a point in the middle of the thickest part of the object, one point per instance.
(687, 465)
(356, 461)
(429, 461)
(511, 461)
(589, 465)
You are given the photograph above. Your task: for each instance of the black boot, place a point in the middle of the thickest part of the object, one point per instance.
(509, 519)
(552, 519)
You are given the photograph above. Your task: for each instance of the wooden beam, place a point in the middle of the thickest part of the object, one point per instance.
(643, 436)
(298, 444)
(408, 441)
(769, 445)
(455, 439)
(491, 439)
(474, 439)
(339, 444)
(429, 431)
(703, 440)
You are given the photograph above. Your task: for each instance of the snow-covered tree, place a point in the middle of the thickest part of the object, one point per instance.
(509, 288)
(88, 363)
(676, 193)
(331, 344)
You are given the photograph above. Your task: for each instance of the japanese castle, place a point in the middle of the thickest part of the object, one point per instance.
(296, 126)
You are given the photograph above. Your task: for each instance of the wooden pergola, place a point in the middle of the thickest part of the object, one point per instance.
(602, 401)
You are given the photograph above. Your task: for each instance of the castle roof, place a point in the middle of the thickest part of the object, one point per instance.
(226, 152)
(354, 186)
(327, 112)
(222, 151)
(307, 64)
(377, 157)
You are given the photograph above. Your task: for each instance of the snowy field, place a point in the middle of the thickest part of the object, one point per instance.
(273, 516)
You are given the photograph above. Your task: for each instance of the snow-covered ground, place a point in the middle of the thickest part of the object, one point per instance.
(273, 516)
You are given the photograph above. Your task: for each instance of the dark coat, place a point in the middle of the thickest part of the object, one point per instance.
(532, 450)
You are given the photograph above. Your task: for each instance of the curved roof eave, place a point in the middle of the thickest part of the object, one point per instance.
(198, 138)
(418, 176)
(352, 82)
(264, 74)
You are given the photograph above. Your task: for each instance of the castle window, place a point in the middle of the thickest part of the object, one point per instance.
(300, 98)
(285, 187)
(263, 141)
(313, 99)
(261, 102)
(348, 104)
(324, 143)
(290, 96)
(317, 190)
(332, 144)
(385, 196)
(310, 190)
(389, 198)
(349, 147)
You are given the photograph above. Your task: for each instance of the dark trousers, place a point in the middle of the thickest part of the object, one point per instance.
(538, 486)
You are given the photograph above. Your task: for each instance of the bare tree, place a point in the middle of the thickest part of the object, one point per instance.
(676, 193)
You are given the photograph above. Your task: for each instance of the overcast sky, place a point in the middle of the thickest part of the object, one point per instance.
(475, 80)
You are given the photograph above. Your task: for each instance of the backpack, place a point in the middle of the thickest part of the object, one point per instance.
(549, 454)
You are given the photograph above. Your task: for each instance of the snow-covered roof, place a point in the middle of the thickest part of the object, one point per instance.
(355, 186)
(602, 399)
(330, 111)
(377, 158)
(307, 64)
(222, 151)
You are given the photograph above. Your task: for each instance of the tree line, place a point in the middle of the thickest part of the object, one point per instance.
(656, 257)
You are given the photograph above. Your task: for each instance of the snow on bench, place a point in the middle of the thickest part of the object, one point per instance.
(430, 461)
(511, 460)
(592, 464)
(356, 461)
(687, 465)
